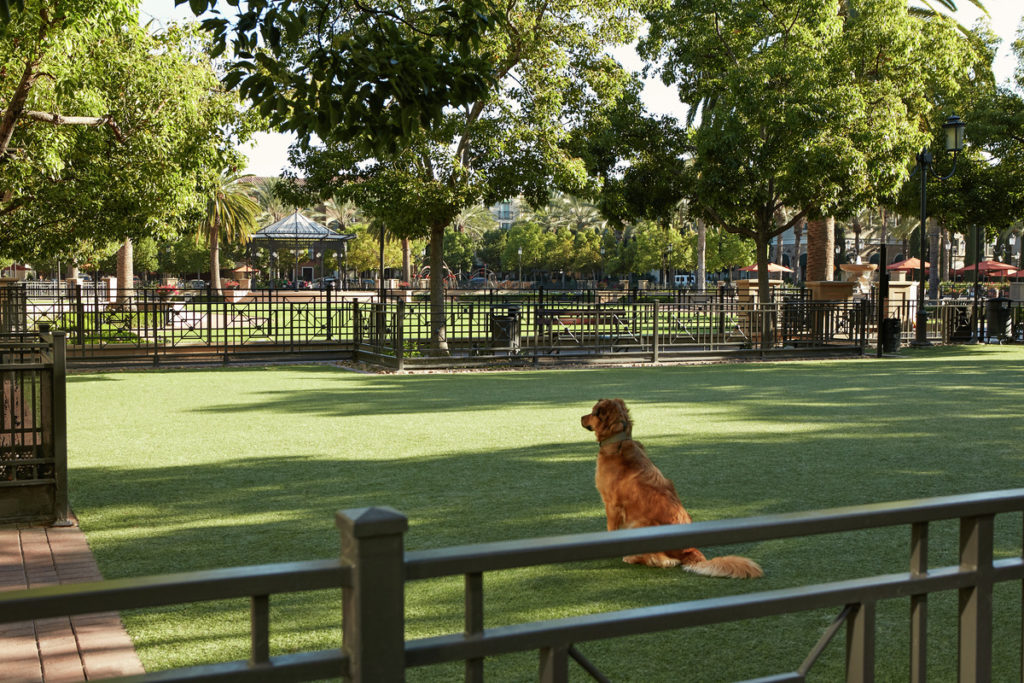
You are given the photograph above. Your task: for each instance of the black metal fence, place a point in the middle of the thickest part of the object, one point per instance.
(374, 567)
(149, 326)
(33, 428)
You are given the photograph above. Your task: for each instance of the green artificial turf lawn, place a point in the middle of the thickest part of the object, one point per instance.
(181, 470)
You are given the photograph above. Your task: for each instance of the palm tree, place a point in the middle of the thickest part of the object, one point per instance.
(566, 210)
(272, 207)
(230, 213)
(338, 215)
(475, 220)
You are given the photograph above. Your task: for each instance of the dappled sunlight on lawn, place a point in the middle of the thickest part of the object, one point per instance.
(179, 470)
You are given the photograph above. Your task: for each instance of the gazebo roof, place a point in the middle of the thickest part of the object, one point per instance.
(298, 228)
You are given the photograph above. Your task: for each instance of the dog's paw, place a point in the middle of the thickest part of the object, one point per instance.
(660, 561)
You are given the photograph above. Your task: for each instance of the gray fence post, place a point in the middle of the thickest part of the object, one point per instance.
(373, 607)
(554, 664)
(59, 425)
(976, 552)
(860, 644)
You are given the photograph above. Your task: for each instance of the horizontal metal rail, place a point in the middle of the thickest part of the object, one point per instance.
(373, 569)
(639, 621)
(425, 564)
(172, 589)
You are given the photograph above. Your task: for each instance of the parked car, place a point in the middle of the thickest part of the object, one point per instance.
(476, 282)
(323, 283)
(195, 284)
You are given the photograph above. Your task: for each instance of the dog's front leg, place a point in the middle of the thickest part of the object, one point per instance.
(614, 517)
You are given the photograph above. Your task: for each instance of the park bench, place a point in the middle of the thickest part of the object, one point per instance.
(571, 324)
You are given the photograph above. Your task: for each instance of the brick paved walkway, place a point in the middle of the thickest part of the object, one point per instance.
(79, 648)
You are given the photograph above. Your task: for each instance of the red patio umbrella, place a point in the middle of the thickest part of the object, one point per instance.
(772, 268)
(910, 264)
(987, 266)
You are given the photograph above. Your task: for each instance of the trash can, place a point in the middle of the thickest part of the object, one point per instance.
(998, 318)
(505, 328)
(891, 330)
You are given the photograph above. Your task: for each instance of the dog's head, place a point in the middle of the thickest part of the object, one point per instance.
(609, 417)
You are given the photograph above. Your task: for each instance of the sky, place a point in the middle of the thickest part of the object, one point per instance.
(268, 152)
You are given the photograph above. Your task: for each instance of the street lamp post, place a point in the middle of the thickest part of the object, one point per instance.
(520, 252)
(668, 265)
(954, 129)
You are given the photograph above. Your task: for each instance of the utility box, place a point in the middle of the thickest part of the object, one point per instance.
(1017, 291)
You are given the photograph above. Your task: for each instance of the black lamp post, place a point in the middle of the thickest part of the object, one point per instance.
(954, 128)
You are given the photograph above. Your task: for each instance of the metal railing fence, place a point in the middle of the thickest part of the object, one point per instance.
(374, 568)
(151, 326)
(33, 428)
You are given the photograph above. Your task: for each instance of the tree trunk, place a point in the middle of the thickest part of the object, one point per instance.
(933, 259)
(798, 233)
(702, 247)
(438, 331)
(125, 272)
(763, 274)
(215, 260)
(17, 103)
(821, 248)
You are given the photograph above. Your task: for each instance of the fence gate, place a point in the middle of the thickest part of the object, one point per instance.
(13, 309)
(33, 428)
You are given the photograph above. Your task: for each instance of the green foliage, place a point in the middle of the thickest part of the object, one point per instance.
(813, 105)
(652, 249)
(545, 68)
(492, 250)
(141, 173)
(458, 251)
(364, 250)
(367, 74)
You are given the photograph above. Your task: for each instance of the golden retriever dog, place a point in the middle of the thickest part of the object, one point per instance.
(637, 494)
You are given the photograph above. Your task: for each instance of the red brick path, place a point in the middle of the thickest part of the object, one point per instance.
(78, 648)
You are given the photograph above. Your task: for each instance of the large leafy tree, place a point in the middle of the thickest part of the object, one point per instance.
(546, 66)
(805, 104)
(369, 74)
(65, 186)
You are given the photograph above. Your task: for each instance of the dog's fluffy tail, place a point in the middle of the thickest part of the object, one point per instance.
(728, 566)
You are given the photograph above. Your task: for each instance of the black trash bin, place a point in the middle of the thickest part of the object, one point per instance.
(505, 328)
(998, 319)
(891, 330)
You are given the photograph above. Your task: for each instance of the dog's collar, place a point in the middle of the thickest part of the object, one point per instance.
(621, 436)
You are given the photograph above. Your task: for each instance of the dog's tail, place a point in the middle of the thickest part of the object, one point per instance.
(728, 566)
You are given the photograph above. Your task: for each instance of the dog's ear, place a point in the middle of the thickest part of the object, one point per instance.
(622, 414)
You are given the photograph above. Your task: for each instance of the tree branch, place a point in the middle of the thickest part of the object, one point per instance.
(59, 120)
